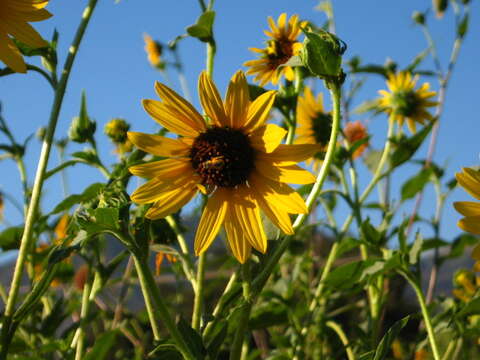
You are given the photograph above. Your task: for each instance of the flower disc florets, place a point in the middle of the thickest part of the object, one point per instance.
(222, 156)
(322, 127)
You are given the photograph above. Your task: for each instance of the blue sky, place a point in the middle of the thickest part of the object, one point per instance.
(112, 68)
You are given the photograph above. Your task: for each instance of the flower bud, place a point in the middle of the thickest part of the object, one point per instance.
(116, 129)
(82, 127)
(154, 52)
(322, 53)
(418, 17)
(41, 132)
(439, 6)
(81, 131)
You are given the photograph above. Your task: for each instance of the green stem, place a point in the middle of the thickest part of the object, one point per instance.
(343, 338)
(222, 302)
(242, 325)
(425, 314)
(80, 334)
(157, 306)
(261, 279)
(40, 175)
(185, 252)
(198, 301)
(211, 50)
(24, 181)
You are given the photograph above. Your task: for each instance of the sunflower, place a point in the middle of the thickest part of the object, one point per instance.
(314, 125)
(282, 46)
(469, 179)
(234, 158)
(356, 131)
(406, 102)
(14, 18)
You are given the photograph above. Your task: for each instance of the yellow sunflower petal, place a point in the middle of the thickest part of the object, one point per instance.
(170, 202)
(236, 238)
(470, 224)
(279, 217)
(259, 110)
(37, 15)
(248, 217)
(165, 169)
(163, 115)
(277, 194)
(291, 154)
(153, 189)
(181, 106)
(211, 100)
(237, 100)
(158, 145)
(10, 55)
(468, 181)
(285, 174)
(467, 208)
(212, 217)
(25, 33)
(267, 137)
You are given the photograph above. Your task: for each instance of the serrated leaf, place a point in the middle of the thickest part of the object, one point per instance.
(347, 275)
(416, 184)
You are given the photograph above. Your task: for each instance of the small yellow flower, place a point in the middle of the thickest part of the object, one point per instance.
(469, 179)
(153, 50)
(405, 102)
(355, 131)
(14, 18)
(314, 124)
(236, 159)
(281, 46)
(61, 228)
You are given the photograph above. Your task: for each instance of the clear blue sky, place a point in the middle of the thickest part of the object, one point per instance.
(112, 67)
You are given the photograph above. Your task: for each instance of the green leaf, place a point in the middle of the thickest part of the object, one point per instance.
(192, 338)
(460, 243)
(87, 156)
(102, 349)
(369, 233)
(203, 29)
(165, 351)
(88, 194)
(384, 346)
(270, 315)
(416, 249)
(10, 238)
(107, 217)
(372, 159)
(418, 59)
(416, 183)
(345, 276)
(406, 148)
(472, 307)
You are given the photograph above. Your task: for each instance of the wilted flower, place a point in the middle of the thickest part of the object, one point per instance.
(159, 260)
(356, 131)
(405, 102)
(14, 18)
(236, 159)
(154, 52)
(281, 46)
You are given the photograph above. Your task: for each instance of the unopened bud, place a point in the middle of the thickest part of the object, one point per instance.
(81, 131)
(439, 6)
(418, 17)
(116, 129)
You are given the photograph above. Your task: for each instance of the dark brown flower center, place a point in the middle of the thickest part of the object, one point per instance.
(223, 157)
(279, 51)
